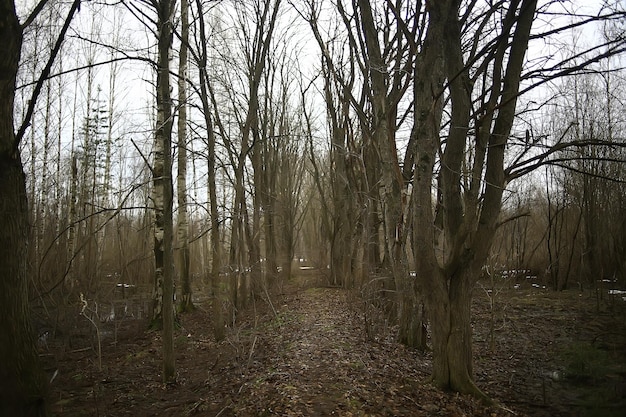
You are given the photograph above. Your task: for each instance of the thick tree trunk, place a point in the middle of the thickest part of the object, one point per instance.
(391, 184)
(450, 315)
(412, 330)
(22, 382)
(464, 229)
(428, 107)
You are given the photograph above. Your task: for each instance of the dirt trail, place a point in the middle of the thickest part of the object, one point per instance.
(313, 359)
(306, 353)
(321, 364)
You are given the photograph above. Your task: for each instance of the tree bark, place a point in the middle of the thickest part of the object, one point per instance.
(464, 230)
(341, 242)
(22, 382)
(163, 194)
(428, 107)
(216, 245)
(186, 303)
(207, 97)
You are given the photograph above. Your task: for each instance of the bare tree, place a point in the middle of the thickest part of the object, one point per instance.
(186, 302)
(464, 223)
(382, 51)
(585, 226)
(163, 190)
(23, 390)
(339, 81)
(209, 106)
(475, 69)
(256, 22)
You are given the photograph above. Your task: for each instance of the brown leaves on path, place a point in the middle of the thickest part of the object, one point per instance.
(304, 354)
(322, 364)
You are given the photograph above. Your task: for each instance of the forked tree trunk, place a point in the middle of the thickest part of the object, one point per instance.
(466, 224)
(390, 186)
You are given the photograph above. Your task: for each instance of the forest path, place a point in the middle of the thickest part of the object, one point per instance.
(303, 352)
(321, 364)
(314, 359)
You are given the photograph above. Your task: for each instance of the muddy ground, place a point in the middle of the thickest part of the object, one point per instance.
(305, 352)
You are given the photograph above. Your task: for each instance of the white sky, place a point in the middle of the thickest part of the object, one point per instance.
(133, 95)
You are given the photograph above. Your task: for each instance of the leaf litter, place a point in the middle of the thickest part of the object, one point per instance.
(308, 354)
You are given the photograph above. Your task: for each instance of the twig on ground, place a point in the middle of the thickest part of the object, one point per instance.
(269, 301)
(251, 351)
(84, 303)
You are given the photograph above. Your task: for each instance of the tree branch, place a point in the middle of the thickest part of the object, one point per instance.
(525, 167)
(97, 64)
(33, 15)
(45, 73)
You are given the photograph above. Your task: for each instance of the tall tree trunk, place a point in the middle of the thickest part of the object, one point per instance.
(163, 193)
(107, 186)
(341, 226)
(238, 241)
(206, 97)
(84, 229)
(71, 231)
(69, 281)
(57, 176)
(186, 303)
(259, 46)
(40, 221)
(22, 382)
(216, 244)
(391, 186)
(254, 250)
(270, 214)
(428, 109)
(383, 138)
(465, 229)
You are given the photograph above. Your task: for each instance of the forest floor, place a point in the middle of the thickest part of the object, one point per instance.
(307, 353)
